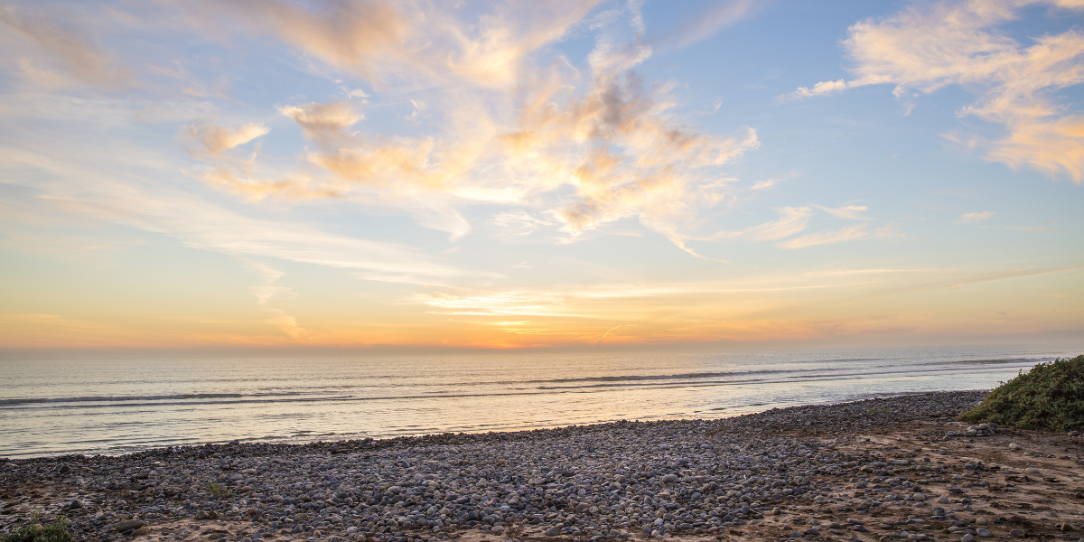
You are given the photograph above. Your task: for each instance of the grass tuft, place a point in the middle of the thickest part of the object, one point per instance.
(219, 491)
(57, 531)
(1050, 396)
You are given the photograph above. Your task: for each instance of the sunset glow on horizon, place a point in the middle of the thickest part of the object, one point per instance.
(507, 175)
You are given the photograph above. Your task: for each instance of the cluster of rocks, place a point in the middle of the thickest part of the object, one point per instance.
(980, 430)
(610, 481)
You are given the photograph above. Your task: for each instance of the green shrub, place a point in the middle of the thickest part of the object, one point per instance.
(1049, 396)
(218, 491)
(56, 531)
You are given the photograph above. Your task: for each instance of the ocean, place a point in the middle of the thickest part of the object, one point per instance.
(103, 405)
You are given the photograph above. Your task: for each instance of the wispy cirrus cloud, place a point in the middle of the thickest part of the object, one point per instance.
(791, 221)
(746, 308)
(518, 224)
(706, 23)
(976, 216)
(849, 233)
(355, 37)
(635, 303)
(382, 41)
(52, 52)
(847, 212)
(201, 224)
(268, 288)
(764, 185)
(788, 230)
(243, 183)
(929, 46)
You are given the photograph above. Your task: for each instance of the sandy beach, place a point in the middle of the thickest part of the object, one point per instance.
(880, 469)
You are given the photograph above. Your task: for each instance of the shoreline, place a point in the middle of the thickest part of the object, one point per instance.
(52, 413)
(899, 466)
(259, 446)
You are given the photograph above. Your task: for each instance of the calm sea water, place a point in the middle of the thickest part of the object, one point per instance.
(120, 405)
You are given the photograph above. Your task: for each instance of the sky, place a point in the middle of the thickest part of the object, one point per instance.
(431, 174)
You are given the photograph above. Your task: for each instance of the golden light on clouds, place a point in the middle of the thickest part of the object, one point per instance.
(530, 174)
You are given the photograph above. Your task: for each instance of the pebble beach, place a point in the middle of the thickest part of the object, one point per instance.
(898, 468)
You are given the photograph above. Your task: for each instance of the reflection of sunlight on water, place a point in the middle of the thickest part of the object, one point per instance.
(50, 407)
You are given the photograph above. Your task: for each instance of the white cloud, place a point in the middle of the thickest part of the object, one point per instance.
(296, 187)
(928, 46)
(268, 288)
(495, 57)
(850, 233)
(764, 185)
(795, 220)
(204, 225)
(823, 87)
(518, 223)
(977, 216)
(667, 300)
(847, 212)
(417, 109)
(792, 220)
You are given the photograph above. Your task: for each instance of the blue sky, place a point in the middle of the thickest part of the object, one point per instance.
(505, 175)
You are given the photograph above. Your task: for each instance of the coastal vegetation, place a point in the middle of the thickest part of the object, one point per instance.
(35, 531)
(1050, 396)
(218, 491)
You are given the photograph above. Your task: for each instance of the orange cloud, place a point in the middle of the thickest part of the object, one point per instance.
(297, 187)
(323, 121)
(61, 54)
(217, 139)
(614, 143)
(1049, 146)
(354, 37)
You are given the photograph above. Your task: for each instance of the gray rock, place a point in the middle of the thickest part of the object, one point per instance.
(128, 525)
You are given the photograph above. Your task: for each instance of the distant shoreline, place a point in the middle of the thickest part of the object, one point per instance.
(860, 469)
